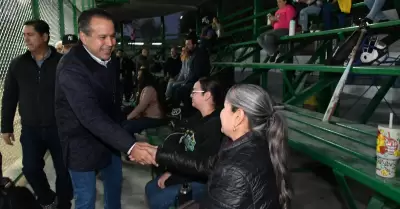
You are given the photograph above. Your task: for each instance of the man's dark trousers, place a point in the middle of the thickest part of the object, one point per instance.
(35, 142)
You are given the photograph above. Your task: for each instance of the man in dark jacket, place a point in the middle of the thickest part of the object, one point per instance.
(126, 68)
(144, 59)
(199, 66)
(88, 113)
(30, 84)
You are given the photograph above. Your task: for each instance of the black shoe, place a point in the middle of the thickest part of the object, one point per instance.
(363, 21)
(385, 20)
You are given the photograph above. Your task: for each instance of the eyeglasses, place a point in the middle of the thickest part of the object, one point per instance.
(196, 91)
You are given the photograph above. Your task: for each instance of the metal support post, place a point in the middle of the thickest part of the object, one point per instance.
(61, 18)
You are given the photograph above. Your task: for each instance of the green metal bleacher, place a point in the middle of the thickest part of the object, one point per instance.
(347, 147)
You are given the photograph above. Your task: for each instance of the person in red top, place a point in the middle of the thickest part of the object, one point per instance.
(280, 23)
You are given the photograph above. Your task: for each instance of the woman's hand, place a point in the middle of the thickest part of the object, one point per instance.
(162, 179)
(272, 18)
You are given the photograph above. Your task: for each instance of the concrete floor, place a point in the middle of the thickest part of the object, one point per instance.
(311, 190)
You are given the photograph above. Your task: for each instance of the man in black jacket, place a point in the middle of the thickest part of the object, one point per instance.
(199, 66)
(88, 113)
(30, 84)
(126, 68)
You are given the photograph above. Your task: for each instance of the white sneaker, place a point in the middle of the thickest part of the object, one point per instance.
(176, 111)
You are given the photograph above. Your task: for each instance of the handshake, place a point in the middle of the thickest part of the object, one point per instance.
(144, 153)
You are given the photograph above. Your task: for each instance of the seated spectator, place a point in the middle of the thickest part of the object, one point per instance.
(184, 72)
(207, 35)
(198, 66)
(375, 11)
(144, 59)
(172, 67)
(149, 112)
(198, 137)
(250, 170)
(331, 9)
(280, 23)
(313, 8)
(216, 25)
(126, 67)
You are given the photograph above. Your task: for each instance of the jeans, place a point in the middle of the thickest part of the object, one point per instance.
(158, 198)
(128, 88)
(138, 125)
(182, 95)
(375, 10)
(327, 9)
(304, 13)
(35, 141)
(85, 186)
(171, 87)
(269, 40)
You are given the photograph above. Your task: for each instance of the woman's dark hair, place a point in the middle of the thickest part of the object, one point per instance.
(270, 124)
(147, 79)
(215, 88)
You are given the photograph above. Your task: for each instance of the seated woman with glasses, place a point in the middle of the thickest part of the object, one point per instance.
(251, 169)
(197, 137)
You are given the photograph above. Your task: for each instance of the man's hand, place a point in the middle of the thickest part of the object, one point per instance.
(8, 138)
(162, 179)
(142, 153)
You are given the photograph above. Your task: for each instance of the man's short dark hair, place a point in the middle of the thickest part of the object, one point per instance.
(191, 38)
(40, 26)
(87, 15)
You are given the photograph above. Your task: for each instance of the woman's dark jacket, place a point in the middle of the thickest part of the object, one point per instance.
(241, 176)
(197, 138)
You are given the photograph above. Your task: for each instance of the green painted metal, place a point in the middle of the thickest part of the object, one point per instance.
(345, 190)
(233, 15)
(375, 203)
(374, 103)
(74, 15)
(260, 14)
(239, 59)
(219, 9)
(340, 122)
(61, 17)
(256, 24)
(368, 70)
(35, 9)
(237, 30)
(348, 159)
(163, 37)
(254, 16)
(309, 91)
(329, 34)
